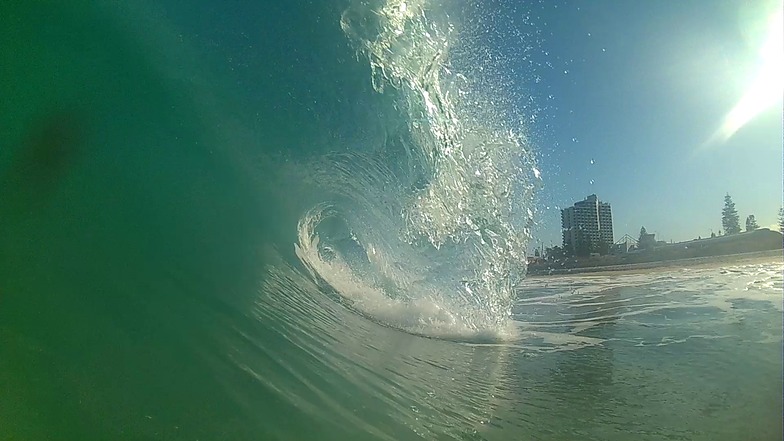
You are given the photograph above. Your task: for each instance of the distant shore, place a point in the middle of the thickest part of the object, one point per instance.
(769, 255)
(761, 242)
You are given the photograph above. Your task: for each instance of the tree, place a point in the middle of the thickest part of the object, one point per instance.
(643, 233)
(751, 223)
(646, 241)
(781, 219)
(603, 248)
(554, 253)
(583, 247)
(729, 217)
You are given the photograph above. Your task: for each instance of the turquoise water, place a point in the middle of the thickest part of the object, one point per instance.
(307, 221)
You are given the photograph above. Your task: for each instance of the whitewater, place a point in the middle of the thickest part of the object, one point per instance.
(309, 221)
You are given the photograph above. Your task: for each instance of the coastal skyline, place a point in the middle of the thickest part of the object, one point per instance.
(659, 109)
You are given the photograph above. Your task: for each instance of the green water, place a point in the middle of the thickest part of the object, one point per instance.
(155, 168)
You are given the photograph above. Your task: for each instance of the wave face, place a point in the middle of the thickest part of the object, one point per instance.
(425, 233)
(217, 219)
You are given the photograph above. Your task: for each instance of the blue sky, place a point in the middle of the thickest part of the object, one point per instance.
(629, 94)
(638, 91)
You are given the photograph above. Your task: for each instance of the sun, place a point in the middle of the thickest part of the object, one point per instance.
(767, 86)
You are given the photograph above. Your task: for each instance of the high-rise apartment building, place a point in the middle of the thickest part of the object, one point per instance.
(589, 219)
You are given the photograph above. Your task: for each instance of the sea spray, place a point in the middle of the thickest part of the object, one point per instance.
(432, 240)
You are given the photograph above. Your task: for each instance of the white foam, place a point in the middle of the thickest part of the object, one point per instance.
(429, 314)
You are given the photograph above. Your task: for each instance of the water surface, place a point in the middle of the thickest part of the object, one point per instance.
(253, 222)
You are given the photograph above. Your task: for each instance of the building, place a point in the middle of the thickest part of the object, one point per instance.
(589, 221)
(624, 245)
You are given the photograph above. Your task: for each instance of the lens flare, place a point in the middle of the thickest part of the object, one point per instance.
(767, 87)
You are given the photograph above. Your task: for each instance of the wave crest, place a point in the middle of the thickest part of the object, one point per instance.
(432, 238)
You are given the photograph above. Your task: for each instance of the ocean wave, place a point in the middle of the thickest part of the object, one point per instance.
(435, 219)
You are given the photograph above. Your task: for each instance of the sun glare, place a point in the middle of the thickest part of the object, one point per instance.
(767, 86)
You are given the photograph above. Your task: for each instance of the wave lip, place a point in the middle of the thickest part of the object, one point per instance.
(426, 230)
(428, 314)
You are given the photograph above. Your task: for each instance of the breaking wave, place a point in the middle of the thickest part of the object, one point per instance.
(426, 230)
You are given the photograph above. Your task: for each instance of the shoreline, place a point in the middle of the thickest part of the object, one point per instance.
(766, 255)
